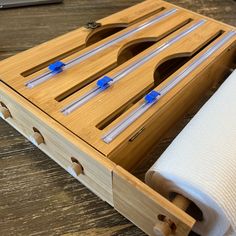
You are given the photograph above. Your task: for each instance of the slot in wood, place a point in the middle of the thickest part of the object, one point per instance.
(48, 62)
(95, 36)
(106, 31)
(127, 52)
(168, 67)
(134, 49)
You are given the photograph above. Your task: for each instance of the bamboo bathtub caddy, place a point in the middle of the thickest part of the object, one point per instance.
(97, 99)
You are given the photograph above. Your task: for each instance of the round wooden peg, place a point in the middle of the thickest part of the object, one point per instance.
(165, 227)
(4, 112)
(37, 139)
(78, 169)
(75, 169)
(162, 229)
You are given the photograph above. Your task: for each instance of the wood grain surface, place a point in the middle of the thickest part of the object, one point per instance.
(37, 197)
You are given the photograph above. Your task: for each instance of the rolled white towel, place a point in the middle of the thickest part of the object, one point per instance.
(201, 163)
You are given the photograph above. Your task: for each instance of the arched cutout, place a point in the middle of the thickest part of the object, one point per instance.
(103, 32)
(112, 117)
(128, 51)
(172, 63)
(134, 48)
(169, 66)
(165, 68)
(107, 30)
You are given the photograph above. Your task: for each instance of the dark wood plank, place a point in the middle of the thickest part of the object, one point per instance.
(37, 197)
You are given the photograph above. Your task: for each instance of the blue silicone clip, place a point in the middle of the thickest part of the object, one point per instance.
(104, 82)
(56, 67)
(152, 96)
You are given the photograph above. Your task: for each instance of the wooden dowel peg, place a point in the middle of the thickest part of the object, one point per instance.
(165, 227)
(75, 169)
(37, 138)
(162, 228)
(78, 169)
(181, 202)
(4, 112)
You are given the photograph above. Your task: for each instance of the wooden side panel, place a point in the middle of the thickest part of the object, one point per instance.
(60, 144)
(142, 205)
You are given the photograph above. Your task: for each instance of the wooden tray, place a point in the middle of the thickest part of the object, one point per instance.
(180, 39)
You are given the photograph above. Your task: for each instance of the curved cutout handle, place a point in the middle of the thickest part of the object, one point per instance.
(103, 32)
(133, 48)
(169, 65)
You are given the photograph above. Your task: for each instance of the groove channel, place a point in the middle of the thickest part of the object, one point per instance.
(161, 73)
(126, 53)
(102, 33)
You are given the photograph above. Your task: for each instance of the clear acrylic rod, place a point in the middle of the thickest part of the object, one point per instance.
(44, 77)
(121, 74)
(80, 101)
(120, 127)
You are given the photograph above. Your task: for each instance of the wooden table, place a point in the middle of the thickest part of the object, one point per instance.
(37, 197)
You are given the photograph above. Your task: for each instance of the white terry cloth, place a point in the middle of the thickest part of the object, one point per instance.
(201, 163)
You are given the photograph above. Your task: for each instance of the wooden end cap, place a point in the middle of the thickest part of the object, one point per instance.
(162, 229)
(166, 227)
